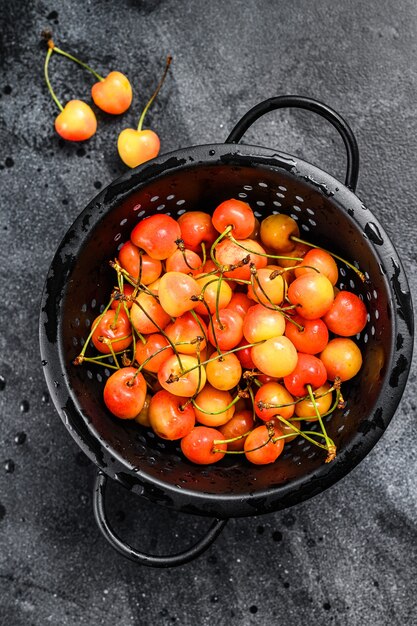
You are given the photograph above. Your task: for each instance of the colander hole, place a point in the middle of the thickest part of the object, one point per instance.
(299, 199)
(99, 377)
(297, 208)
(373, 330)
(365, 337)
(141, 213)
(84, 308)
(93, 303)
(180, 202)
(248, 187)
(154, 198)
(90, 374)
(257, 214)
(123, 222)
(368, 317)
(312, 222)
(294, 216)
(282, 188)
(375, 294)
(296, 458)
(369, 296)
(242, 195)
(137, 207)
(82, 341)
(140, 438)
(160, 207)
(151, 460)
(262, 185)
(279, 195)
(352, 283)
(87, 322)
(339, 430)
(310, 211)
(151, 435)
(305, 227)
(342, 271)
(120, 246)
(180, 212)
(77, 321)
(106, 372)
(118, 236)
(376, 314)
(276, 203)
(260, 203)
(170, 197)
(102, 307)
(74, 341)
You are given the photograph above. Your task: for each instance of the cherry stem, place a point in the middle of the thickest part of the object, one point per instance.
(303, 433)
(257, 253)
(97, 362)
(161, 82)
(339, 258)
(48, 82)
(310, 418)
(54, 48)
(331, 448)
(218, 240)
(220, 355)
(226, 408)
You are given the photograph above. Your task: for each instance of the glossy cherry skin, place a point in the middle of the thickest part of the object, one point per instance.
(157, 345)
(347, 316)
(77, 121)
(198, 445)
(240, 424)
(147, 314)
(196, 228)
(342, 358)
(139, 265)
(322, 261)
(228, 333)
(275, 357)
(237, 214)
(308, 371)
(274, 393)
(177, 293)
(113, 94)
(313, 337)
(137, 146)
(124, 393)
(312, 294)
(259, 452)
(114, 327)
(156, 235)
(276, 232)
(170, 417)
(187, 328)
(229, 253)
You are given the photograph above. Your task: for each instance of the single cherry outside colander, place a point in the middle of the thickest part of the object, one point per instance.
(199, 178)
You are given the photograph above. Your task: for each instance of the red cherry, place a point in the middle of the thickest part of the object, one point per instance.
(125, 392)
(157, 235)
(308, 371)
(237, 214)
(347, 316)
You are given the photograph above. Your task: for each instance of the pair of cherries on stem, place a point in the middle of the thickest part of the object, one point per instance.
(113, 94)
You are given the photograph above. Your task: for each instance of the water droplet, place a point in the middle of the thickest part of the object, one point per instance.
(45, 397)
(212, 152)
(2, 511)
(24, 406)
(83, 498)
(2, 383)
(372, 231)
(44, 362)
(9, 466)
(20, 438)
(56, 384)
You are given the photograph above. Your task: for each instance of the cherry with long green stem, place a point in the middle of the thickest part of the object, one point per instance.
(331, 448)
(76, 121)
(113, 93)
(335, 256)
(136, 146)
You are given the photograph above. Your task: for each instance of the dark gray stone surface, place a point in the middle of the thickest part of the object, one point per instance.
(349, 556)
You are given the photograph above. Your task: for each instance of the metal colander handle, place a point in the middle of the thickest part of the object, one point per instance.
(126, 550)
(300, 102)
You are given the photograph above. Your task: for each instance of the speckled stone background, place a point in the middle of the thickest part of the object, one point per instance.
(349, 556)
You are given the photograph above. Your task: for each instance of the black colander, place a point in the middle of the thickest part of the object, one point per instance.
(328, 214)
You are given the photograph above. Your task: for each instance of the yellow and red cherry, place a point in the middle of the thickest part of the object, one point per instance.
(224, 372)
(276, 396)
(199, 447)
(275, 357)
(112, 94)
(170, 417)
(136, 146)
(76, 122)
(125, 393)
(240, 424)
(260, 448)
(213, 407)
(157, 235)
(178, 293)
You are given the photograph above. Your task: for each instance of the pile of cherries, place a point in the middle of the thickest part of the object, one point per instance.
(112, 94)
(227, 334)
